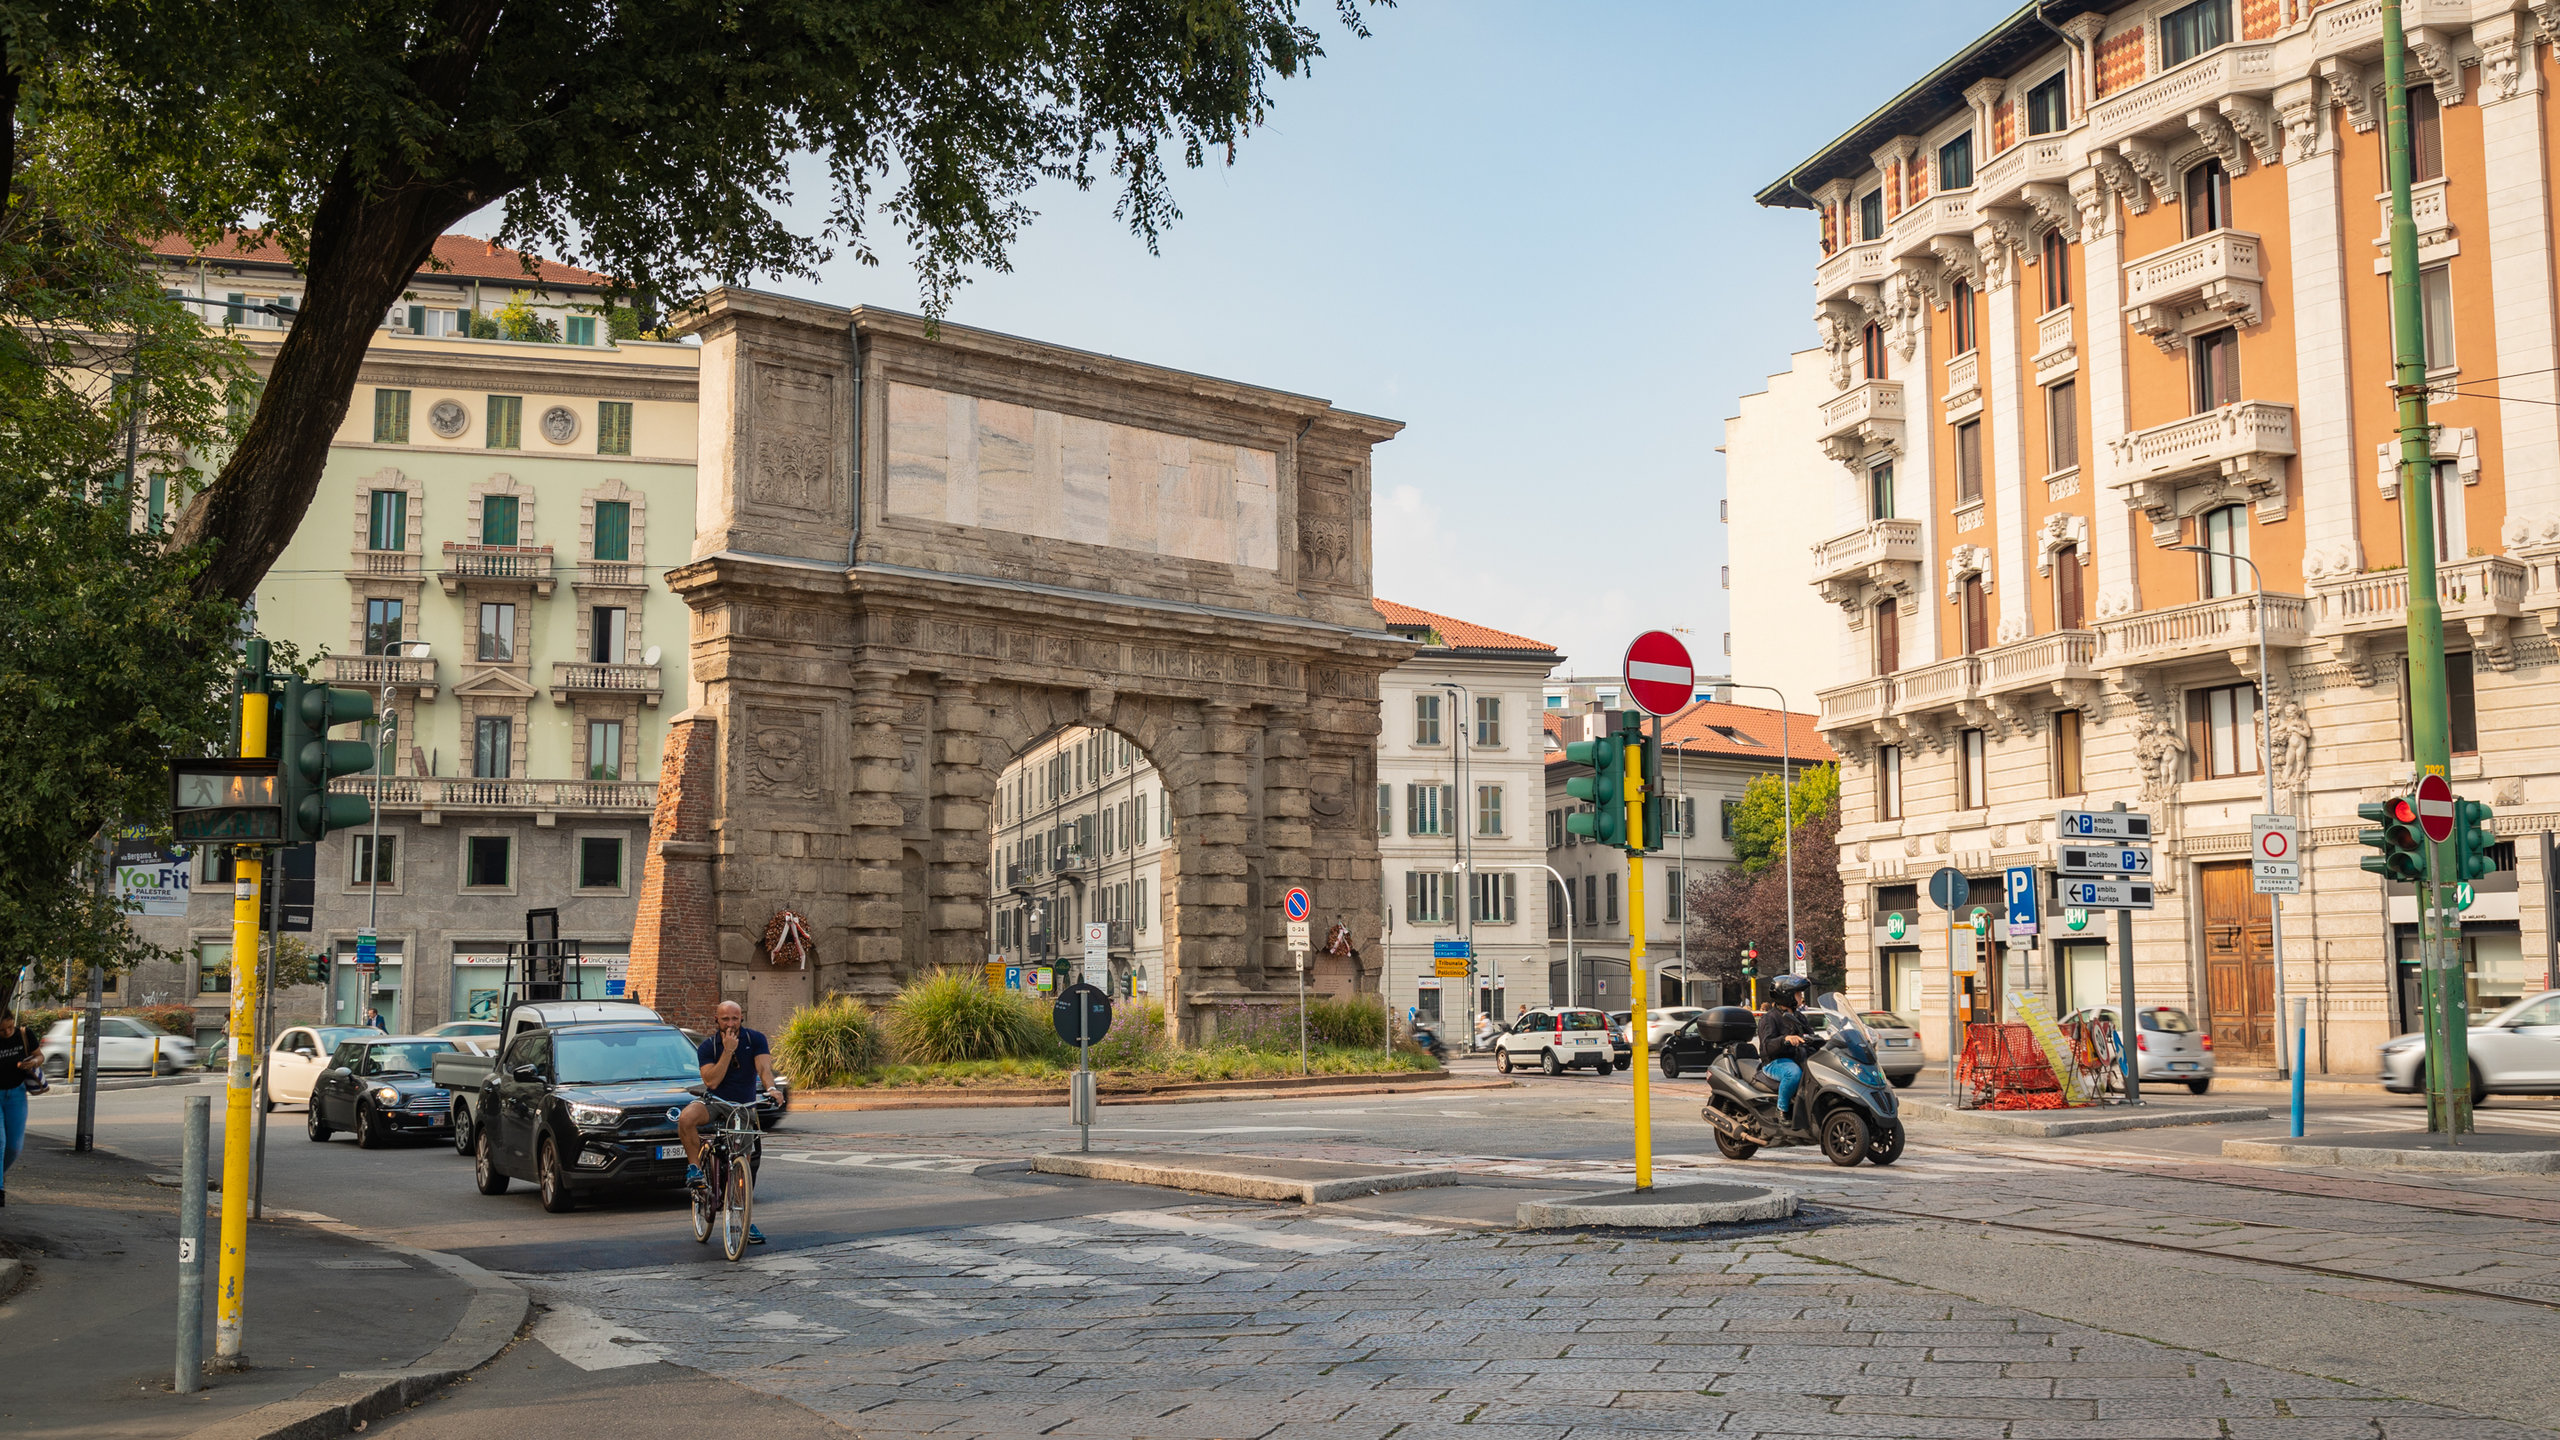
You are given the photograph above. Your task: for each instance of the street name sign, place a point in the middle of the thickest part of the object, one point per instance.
(2103, 859)
(2102, 825)
(1451, 968)
(2103, 894)
(2275, 866)
(1658, 673)
(1453, 949)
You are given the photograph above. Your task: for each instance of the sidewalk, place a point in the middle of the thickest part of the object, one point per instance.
(93, 1330)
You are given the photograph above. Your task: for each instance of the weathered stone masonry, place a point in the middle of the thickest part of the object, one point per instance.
(1037, 537)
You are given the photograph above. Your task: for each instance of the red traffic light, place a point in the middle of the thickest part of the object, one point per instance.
(2404, 811)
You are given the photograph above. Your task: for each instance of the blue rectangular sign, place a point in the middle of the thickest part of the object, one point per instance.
(1013, 977)
(2022, 900)
(1452, 950)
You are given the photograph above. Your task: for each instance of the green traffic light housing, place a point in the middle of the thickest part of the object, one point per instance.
(2473, 840)
(2400, 845)
(311, 760)
(1604, 789)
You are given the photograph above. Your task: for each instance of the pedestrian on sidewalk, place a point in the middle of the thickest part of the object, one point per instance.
(19, 1057)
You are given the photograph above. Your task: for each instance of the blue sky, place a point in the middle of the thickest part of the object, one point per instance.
(1526, 231)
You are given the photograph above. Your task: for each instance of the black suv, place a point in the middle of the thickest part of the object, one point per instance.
(588, 1108)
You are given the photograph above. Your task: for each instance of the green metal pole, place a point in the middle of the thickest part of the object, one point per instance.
(2448, 1068)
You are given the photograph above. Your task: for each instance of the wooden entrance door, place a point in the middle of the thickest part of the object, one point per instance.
(2239, 964)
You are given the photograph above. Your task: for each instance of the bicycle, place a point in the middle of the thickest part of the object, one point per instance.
(731, 1150)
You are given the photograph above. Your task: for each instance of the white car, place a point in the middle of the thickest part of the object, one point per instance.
(1898, 1052)
(2513, 1052)
(125, 1042)
(1556, 1039)
(1660, 1023)
(300, 1054)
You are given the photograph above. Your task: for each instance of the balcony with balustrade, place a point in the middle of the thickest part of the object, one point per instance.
(2195, 286)
(386, 565)
(2223, 626)
(381, 672)
(1860, 264)
(2035, 160)
(1859, 702)
(2239, 450)
(2485, 595)
(2057, 353)
(1964, 385)
(1949, 212)
(1864, 417)
(497, 564)
(2063, 658)
(1856, 553)
(431, 796)
(611, 575)
(582, 677)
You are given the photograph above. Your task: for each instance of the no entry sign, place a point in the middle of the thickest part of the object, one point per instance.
(2435, 808)
(1658, 673)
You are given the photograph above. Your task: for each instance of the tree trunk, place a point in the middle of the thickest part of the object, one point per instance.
(363, 254)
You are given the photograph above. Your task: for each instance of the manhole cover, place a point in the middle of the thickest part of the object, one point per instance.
(362, 1264)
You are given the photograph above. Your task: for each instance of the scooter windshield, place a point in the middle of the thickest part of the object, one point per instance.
(1848, 1034)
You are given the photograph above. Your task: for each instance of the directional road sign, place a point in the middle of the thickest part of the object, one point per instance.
(2102, 859)
(2435, 808)
(2022, 901)
(2275, 866)
(2104, 894)
(1297, 903)
(1452, 949)
(2102, 825)
(1658, 673)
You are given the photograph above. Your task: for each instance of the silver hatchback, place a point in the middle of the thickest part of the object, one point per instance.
(2167, 1045)
(2513, 1052)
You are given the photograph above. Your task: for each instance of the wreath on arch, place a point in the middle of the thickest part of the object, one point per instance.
(787, 942)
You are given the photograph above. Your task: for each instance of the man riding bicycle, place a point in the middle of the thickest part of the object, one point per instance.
(737, 1065)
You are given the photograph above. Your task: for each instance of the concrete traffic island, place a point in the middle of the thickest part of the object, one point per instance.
(2086, 1120)
(2492, 1153)
(1244, 1177)
(1663, 1206)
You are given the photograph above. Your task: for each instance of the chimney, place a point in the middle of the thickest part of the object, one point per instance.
(492, 244)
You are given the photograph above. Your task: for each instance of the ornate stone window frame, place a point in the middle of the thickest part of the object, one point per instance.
(2059, 530)
(2458, 443)
(502, 483)
(497, 692)
(1963, 562)
(625, 712)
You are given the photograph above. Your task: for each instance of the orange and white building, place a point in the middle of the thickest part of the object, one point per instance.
(2110, 281)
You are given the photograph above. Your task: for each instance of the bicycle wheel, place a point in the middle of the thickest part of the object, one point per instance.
(705, 1197)
(737, 1212)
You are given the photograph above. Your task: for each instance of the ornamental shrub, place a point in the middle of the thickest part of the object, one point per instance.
(832, 1042)
(948, 1015)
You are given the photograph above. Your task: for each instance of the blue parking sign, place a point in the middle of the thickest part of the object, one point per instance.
(1013, 977)
(2022, 900)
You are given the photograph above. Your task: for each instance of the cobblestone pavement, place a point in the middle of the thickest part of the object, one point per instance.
(1221, 1321)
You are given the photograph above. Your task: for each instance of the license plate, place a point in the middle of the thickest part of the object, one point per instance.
(2182, 1064)
(1897, 1044)
(670, 1152)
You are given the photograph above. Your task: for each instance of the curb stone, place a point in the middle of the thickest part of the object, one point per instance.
(1612, 1208)
(2486, 1162)
(1205, 1177)
(13, 1273)
(816, 1102)
(2065, 1122)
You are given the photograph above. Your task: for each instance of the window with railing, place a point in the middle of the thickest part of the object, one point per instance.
(498, 519)
(1888, 785)
(2067, 776)
(1960, 336)
(2207, 190)
(1972, 785)
(493, 747)
(604, 749)
(2053, 257)
(1871, 215)
(613, 530)
(382, 626)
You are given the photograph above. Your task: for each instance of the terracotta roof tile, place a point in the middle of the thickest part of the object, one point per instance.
(1695, 730)
(464, 257)
(1458, 633)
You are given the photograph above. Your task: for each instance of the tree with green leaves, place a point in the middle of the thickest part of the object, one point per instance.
(1760, 821)
(653, 142)
(111, 657)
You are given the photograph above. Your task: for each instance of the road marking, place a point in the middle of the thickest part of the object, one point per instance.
(890, 1161)
(1170, 1256)
(1029, 1274)
(591, 1342)
(1232, 1234)
(1220, 1130)
(1383, 1227)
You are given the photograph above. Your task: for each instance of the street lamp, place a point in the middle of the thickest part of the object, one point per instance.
(1787, 806)
(2266, 769)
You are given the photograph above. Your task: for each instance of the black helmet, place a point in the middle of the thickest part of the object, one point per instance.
(1791, 988)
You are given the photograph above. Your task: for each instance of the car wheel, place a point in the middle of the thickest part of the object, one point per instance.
(1734, 1148)
(313, 1126)
(266, 1106)
(2479, 1088)
(557, 1197)
(1670, 1068)
(59, 1067)
(370, 1134)
(463, 1132)
(1548, 1062)
(1884, 1143)
(484, 1169)
(1502, 1061)
(2198, 1087)
(1903, 1082)
(1844, 1137)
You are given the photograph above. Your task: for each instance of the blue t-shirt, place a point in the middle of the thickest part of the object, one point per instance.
(739, 1085)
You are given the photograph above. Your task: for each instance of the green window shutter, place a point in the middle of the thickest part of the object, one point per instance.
(1413, 810)
(506, 423)
(498, 520)
(582, 329)
(613, 427)
(391, 417)
(389, 527)
(613, 529)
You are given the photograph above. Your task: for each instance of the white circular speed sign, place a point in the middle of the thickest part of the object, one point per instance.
(2275, 845)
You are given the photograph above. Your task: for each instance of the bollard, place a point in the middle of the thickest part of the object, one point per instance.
(2301, 1028)
(191, 1181)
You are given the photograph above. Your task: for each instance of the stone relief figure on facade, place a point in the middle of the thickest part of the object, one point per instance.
(2289, 736)
(1326, 544)
(2162, 754)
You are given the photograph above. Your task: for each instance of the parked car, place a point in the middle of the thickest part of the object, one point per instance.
(1558, 1038)
(1898, 1052)
(772, 1114)
(125, 1042)
(295, 1061)
(586, 1108)
(2513, 1052)
(381, 1088)
(2166, 1043)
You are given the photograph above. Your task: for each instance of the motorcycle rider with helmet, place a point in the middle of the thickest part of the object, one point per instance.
(1786, 1039)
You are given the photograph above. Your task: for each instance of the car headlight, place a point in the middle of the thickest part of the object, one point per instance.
(594, 1117)
(386, 1095)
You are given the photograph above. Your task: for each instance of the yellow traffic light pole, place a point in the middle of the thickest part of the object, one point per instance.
(249, 869)
(1638, 1006)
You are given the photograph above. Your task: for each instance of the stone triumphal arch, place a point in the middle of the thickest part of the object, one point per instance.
(917, 551)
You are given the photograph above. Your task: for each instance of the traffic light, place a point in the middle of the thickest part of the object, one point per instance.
(1605, 788)
(311, 760)
(1750, 963)
(2401, 846)
(316, 968)
(1649, 757)
(2472, 840)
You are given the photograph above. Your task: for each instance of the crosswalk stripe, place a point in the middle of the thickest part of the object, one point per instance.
(1172, 1257)
(591, 1342)
(1383, 1227)
(1023, 1273)
(1232, 1234)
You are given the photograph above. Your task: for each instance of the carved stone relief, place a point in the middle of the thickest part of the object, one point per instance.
(785, 753)
(795, 440)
